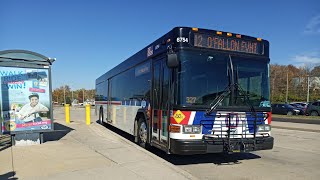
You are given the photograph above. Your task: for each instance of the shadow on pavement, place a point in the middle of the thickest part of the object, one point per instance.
(59, 132)
(218, 159)
(118, 131)
(5, 142)
(8, 175)
(5, 146)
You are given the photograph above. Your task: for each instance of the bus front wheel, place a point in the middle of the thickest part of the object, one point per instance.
(142, 133)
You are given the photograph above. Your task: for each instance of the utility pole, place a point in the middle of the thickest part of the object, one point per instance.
(83, 96)
(72, 96)
(64, 94)
(287, 87)
(308, 84)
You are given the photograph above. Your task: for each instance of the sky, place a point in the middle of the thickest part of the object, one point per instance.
(88, 38)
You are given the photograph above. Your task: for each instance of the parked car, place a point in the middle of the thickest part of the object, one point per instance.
(301, 108)
(304, 104)
(285, 109)
(313, 109)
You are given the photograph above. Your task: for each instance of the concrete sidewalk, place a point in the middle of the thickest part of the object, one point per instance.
(78, 151)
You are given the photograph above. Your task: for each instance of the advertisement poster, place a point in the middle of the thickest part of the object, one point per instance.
(25, 100)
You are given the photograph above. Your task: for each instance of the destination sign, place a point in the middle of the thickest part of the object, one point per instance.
(227, 43)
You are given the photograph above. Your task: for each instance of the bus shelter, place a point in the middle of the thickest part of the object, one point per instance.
(26, 100)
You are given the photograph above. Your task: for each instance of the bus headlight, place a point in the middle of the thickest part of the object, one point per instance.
(191, 129)
(264, 128)
(197, 129)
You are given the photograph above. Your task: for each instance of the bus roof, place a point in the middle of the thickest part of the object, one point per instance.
(187, 37)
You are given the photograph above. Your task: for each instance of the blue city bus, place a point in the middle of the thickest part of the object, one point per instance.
(192, 91)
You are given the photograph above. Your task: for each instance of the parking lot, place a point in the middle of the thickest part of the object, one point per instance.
(297, 108)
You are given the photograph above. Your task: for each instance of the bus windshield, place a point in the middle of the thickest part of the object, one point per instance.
(203, 76)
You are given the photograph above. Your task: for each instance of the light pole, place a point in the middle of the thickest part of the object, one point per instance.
(70, 89)
(308, 88)
(83, 96)
(64, 94)
(287, 87)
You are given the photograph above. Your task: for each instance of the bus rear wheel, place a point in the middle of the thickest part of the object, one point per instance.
(142, 133)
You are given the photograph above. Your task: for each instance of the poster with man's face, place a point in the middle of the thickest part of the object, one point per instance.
(25, 99)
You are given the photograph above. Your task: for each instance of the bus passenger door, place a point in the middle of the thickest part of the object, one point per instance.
(160, 110)
(109, 113)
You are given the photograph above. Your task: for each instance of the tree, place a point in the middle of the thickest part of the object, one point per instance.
(316, 71)
(61, 94)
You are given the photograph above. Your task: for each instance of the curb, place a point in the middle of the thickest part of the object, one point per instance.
(294, 120)
(299, 129)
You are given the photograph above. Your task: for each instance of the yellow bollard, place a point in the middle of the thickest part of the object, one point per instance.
(67, 108)
(88, 114)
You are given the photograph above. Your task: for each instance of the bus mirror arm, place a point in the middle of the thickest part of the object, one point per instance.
(172, 60)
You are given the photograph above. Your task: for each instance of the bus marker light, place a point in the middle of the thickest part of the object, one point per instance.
(219, 32)
(174, 129)
(192, 135)
(259, 39)
(238, 35)
(195, 29)
(229, 34)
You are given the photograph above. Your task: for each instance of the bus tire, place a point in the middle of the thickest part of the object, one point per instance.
(142, 133)
(101, 116)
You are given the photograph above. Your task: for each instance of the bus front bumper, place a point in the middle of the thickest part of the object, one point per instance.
(188, 147)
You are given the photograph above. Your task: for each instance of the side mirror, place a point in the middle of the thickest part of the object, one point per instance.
(172, 60)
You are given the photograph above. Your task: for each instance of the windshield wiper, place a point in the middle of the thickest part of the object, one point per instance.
(228, 90)
(215, 103)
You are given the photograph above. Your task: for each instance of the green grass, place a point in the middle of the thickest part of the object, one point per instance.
(296, 116)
